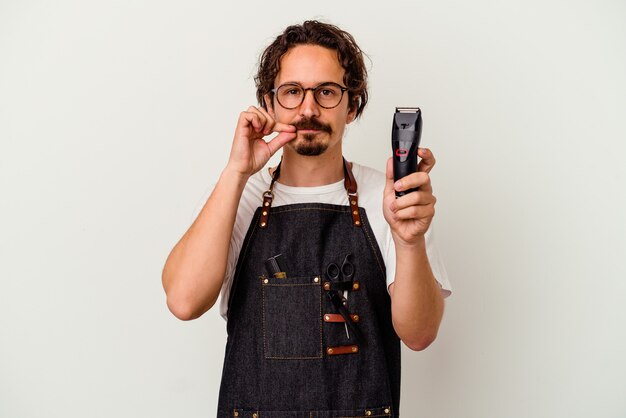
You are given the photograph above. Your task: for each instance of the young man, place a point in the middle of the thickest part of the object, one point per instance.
(322, 270)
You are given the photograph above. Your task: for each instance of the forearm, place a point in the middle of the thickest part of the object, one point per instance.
(416, 301)
(194, 271)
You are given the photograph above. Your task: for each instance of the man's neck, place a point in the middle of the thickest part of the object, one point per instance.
(306, 171)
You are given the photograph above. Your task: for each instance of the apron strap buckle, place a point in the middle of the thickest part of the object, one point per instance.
(268, 196)
(353, 199)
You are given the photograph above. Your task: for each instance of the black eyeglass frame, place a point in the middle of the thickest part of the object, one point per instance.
(313, 89)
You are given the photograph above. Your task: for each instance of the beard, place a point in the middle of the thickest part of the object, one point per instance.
(310, 144)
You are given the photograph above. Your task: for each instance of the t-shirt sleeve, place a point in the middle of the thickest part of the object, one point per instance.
(434, 258)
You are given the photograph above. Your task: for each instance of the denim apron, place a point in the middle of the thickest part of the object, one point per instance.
(290, 352)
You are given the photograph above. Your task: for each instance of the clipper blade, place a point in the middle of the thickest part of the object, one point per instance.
(407, 109)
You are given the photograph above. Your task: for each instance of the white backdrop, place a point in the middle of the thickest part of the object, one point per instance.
(116, 116)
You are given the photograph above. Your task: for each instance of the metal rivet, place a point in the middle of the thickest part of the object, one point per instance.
(266, 281)
(254, 415)
(329, 351)
(368, 413)
(357, 223)
(326, 286)
(266, 204)
(354, 349)
(386, 410)
(263, 223)
(355, 318)
(355, 212)
(326, 318)
(355, 286)
(236, 414)
(316, 279)
(264, 213)
(354, 202)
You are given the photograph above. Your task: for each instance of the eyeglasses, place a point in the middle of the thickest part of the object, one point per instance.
(291, 95)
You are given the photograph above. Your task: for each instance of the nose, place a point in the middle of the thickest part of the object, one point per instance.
(309, 107)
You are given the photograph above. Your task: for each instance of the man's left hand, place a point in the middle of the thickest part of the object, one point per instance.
(409, 216)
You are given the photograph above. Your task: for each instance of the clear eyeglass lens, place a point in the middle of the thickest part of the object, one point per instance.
(290, 95)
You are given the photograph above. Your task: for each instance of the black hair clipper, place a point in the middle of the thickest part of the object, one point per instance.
(406, 132)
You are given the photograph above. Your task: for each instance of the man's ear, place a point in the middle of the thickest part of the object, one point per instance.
(269, 105)
(351, 115)
(352, 110)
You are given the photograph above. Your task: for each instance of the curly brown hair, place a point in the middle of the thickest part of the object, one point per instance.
(312, 32)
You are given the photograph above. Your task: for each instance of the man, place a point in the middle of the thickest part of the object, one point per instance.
(319, 280)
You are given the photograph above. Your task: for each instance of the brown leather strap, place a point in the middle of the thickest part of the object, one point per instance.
(333, 317)
(268, 196)
(349, 184)
(353, 197)
(342, 349)
(354, 285)
(349, 181)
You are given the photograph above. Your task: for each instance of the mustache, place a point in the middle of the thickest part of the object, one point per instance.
(312, 124)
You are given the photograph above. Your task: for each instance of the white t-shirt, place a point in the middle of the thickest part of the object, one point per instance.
(370, 183)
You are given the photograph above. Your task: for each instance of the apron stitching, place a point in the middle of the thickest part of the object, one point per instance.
(384, 273)
(312, 208)
(294, 358)
(263, 318)
(368, 416)
(321, 324)
(369, 240)
(290, 284)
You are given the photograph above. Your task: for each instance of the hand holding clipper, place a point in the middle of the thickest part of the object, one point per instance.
(406, 132)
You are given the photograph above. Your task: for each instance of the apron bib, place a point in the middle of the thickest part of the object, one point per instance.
(291, 353)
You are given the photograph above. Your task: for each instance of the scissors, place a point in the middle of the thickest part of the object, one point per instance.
(346, 271)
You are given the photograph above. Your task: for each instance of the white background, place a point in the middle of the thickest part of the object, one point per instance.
(116, 116)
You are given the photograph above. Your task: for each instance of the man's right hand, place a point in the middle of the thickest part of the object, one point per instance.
(250, 152)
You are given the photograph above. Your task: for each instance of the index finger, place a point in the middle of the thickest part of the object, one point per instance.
(428, 160)
(283, 127)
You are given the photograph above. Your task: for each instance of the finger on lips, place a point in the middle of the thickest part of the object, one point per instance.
(283, 127)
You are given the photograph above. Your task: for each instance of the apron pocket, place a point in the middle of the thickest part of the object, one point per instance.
(292, 317)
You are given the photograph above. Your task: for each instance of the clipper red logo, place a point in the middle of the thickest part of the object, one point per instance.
(402, 152)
